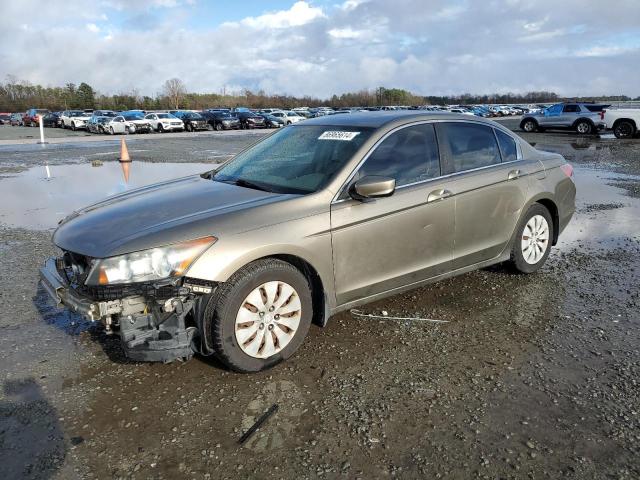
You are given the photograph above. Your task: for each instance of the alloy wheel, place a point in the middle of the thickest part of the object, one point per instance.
(268, 319)
(535, 239)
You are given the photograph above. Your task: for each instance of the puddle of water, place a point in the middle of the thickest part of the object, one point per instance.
(613, 215)
(31, 200)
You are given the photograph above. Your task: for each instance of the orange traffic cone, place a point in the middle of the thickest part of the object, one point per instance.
(124, 153)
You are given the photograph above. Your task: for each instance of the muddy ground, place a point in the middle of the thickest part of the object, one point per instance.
(533, 377)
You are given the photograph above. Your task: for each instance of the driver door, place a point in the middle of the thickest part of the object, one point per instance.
(387, 243)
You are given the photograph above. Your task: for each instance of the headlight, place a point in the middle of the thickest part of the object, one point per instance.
(148, 265)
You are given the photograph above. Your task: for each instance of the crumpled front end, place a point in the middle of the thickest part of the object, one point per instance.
(156, 321)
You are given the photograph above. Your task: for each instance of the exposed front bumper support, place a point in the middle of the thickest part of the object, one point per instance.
(143, 337)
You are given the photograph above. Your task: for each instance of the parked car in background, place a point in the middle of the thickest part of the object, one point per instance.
(96, 124)
(16, 119)
(51, 119)
(136, 123)
(74, 119)
(164, 122)
(288, 117)
(31, 118)
(192, 121)
(221, 119)
(250, 120)
(316, 219)
(5, 118)
(272, 122)
(580, 117)
(624, 122)
(104, 113)
(113, 125)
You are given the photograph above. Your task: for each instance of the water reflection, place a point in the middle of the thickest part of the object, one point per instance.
(32, 200)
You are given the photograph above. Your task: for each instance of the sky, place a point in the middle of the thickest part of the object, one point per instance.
(324, 47)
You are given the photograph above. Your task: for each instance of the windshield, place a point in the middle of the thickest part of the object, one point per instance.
(165, 115)
(299, 159)
(193, 116)
(133, 116)
(76, 114)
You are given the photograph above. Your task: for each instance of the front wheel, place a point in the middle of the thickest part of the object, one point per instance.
(260, 316)
(189, 127)
(218, 127)
(624, 129)
(529, 126)
(583, 127)
(532, 244)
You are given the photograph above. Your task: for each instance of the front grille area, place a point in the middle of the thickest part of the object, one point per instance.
(114, 292)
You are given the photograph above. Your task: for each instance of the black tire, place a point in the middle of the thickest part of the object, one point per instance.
(73, 126)
(189, 127)
(222, 308)
(529, 125)
(517, 261)
(218, 127)
(112, 131)
(624, 129)
(160, 128)
(583, 127)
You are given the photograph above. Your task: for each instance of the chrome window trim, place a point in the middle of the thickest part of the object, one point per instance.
(335, 200)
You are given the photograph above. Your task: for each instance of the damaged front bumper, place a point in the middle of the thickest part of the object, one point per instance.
(150, 329)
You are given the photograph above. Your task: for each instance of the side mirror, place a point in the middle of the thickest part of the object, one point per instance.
(373, 187)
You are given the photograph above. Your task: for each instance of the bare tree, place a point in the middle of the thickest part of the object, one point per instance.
(175, 90)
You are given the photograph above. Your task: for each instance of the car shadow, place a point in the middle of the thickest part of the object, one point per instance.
(32, 441)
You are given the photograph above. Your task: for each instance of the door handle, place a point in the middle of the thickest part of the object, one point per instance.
(438, 195)
(513, 174)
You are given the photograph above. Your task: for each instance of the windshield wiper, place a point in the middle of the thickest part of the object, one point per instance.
(241, 182)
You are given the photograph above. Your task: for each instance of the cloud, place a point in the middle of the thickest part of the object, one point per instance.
(311, 48)
(300, 13)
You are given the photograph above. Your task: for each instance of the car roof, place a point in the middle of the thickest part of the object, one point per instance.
(379, 119)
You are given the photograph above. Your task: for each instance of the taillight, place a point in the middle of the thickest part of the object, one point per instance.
(567, 169)
(602, 114)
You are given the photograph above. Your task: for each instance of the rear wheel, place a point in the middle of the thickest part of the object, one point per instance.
(583, 127)
(260, 316)
(189, 127)
(532, 244)
(218, 127)
(624, 129)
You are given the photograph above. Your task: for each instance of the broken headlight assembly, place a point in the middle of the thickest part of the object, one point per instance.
(148, 265)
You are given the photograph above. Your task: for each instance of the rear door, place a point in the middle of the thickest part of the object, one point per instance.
(387, 243)
(569, 114)
(489, 182)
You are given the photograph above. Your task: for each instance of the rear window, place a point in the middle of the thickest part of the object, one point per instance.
(470, 146)
(595, 108)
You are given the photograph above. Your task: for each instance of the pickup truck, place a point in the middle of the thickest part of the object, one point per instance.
(583, 118)
(624, 121)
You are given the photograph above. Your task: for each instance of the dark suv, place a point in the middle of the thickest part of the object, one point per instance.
(192, 121)
(583, 118)
(250, 120)
(221, 120)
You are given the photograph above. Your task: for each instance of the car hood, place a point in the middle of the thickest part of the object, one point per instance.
(164, 213)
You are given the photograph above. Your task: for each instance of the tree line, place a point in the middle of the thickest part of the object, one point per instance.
(18, 96)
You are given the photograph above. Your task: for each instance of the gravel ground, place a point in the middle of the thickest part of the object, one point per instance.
(533, 377)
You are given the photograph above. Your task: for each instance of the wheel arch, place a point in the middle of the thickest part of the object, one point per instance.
(320, 286)
(583, 119)
(624, 119)
(526, 119)
(551, 206)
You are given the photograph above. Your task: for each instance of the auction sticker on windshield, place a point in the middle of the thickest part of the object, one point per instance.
(344, 136)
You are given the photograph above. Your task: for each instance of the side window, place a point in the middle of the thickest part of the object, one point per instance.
(570, 109)
(409, 155)
(470, 146)
(507, 146)
(555, 109)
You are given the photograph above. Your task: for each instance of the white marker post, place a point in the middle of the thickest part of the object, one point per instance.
(41, 142)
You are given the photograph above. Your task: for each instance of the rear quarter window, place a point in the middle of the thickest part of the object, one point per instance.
(507, 146)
